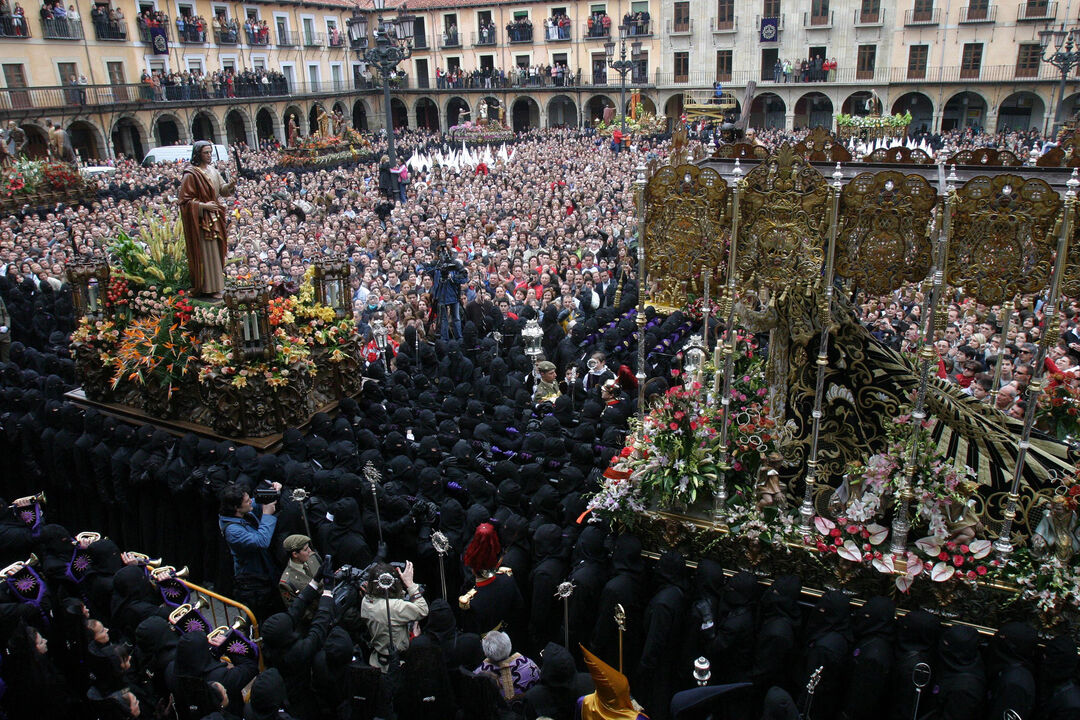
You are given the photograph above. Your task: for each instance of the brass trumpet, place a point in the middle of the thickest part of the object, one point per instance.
(181, 611)
(144, 560)
(28, 500)
(166, 572)
(18, 565)
(240, 624)
(85, 539)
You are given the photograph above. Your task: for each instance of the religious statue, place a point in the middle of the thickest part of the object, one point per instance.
(294, 131)
(483, 119)
(324, 123)
(1056, 532)
(963, 523)
(16, 140)
(502, 116)
(205, 221)
(339, 123)
(59, 144)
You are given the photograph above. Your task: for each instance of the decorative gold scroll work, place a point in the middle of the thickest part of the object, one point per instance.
(884, 232)
(686, 232)
(1002, 241)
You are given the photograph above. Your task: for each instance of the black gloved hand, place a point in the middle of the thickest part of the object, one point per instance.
(324, 566)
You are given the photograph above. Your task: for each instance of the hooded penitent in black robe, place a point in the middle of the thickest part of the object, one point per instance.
(871, 660)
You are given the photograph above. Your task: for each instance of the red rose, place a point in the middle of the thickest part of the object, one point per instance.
(981, 569)
(958, 560)
(626, 451)
(943, 555)
(835, 532)
(838, 541)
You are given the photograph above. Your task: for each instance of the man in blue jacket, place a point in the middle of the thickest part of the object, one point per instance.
(247, 528)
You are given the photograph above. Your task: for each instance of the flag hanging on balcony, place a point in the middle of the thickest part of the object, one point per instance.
(159, 40)
(770, 29)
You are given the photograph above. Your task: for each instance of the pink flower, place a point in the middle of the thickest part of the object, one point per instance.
(673, 426)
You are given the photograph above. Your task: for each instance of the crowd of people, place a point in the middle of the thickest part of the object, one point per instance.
(257, 31)
(194, 84)
(813, 69)
(519, 29)
(191, 28)
(540, 75)
(109, 22)
(347, 579)
(13, 20)
(557, 27)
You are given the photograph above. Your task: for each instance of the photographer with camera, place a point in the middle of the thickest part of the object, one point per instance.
(447, 275)
(392, 597)
(248, 527)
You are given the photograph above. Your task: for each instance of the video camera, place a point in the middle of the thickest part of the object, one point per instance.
(266, 494)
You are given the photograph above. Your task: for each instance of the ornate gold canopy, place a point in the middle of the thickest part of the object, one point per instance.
(884, 238)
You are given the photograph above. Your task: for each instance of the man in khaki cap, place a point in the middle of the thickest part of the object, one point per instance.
(302, 568)
(547, 387)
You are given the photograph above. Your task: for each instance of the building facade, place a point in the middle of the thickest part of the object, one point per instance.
(235, 71)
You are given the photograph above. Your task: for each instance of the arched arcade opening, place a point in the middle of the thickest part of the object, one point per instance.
(812, 110)
(427, 114)
(1021, 111)
(167, 131)
(921, 108)
(202, 127)
(964, 110)
(235, 127)
(767, 111)
(562, 112)
(525, 113)
(128, 139)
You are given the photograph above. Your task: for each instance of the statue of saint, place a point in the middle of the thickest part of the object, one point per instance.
(294, 131)
(59, 143)
(205, 221)
(339, 123)
(502, 116)
(324, 123)
(483, 112)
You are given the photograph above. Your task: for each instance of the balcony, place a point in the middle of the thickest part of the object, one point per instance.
(226, 37)
(680, 27)
(336, 39)
(144, 29)
(817, 22)
(922, 16)
(970, 73)
(485, 38)
(521, 34)
(189, 31)
(869, 18)
(639, 28)
(14, 27)
(61, 29)
(558, 32)
(419, 42)
(110, 30)
(779, 23)
(259, 38)
(1036, 12)
(595, 32)
(450, 40)
(314, 39)
(287, 38)
(720, 27)
(973, 14)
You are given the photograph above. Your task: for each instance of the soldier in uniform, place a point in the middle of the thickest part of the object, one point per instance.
(495, 602)
(547, 387)
(302, 568)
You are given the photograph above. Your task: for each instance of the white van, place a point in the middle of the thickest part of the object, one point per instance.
(180, 153)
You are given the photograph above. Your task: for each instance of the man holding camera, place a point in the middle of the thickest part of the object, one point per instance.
(448, 276)
(247, 528)
(392, 595)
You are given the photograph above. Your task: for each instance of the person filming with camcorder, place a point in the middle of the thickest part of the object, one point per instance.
(447, 275)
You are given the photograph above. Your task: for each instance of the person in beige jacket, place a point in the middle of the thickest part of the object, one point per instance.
(407, 606)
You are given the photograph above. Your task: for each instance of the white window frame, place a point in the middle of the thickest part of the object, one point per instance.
(318, 74)
(258, 15)
(327, 19)
(314, 28)
(342, 80)
(476, 18)
(481, 56)
(260, 57)
(527, 14)
(194, 8)
(163, 59)
(201, 59)
(214, 8)
(459, 58)
(515, 56)
(552, 8)
(234, 57)
(279, 16)
(105, 60)
(148, 2)
(551, 57)
(457, 21)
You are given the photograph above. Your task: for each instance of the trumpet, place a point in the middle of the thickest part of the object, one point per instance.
(183, 610)
(85, 539)
(18, 565)
(144, 560)
(240, 624)
(28, 500)
(168, 572)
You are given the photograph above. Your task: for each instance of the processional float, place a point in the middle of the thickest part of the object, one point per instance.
(781, 238)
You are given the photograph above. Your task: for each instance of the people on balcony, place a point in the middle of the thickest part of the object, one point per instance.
(226, 30)
(487, 33)
(336, 38)
(108, 24)
(520, 30)
(450, 36)
(558, 27)
(638, 23)
(191, 29)
(258, 32)
(599, 24)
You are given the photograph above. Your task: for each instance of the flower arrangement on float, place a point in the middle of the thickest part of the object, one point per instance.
(873, 121)
(474, 133)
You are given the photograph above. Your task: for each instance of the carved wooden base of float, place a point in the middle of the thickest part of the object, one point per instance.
(268, 443)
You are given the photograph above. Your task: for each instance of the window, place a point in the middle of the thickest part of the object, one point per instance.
(978, 9)
(146, 7)
(309, 31)
(1028, 58)
(488, 61)
(923, 11)
(450, 21)
(972, 60)
(1035, 9)
(222, 10)
(640, 72)
(186, 9)
(313, 77)
(251, 13)
(521, 14)
(769, 58)
(819, 12)
(682, 66)
(870, 11)
(723, 65)
(66, 71)
(337, 77)
(597, 8)
(15, 77)
(522, 61)
(259, 63)
(116, 72)
(771, 9)
(867, 61)
(916, 61)
(725, 14)
(194, 65)
(556, 59)
(636, 7)
(422, 80)
(681, 22)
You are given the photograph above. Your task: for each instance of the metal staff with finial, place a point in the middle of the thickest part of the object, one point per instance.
(563, 592)
(372, 476)
(441, 543)
(620, 622)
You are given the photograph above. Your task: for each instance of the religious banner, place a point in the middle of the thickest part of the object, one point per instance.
(770, 29)
(159, 40)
